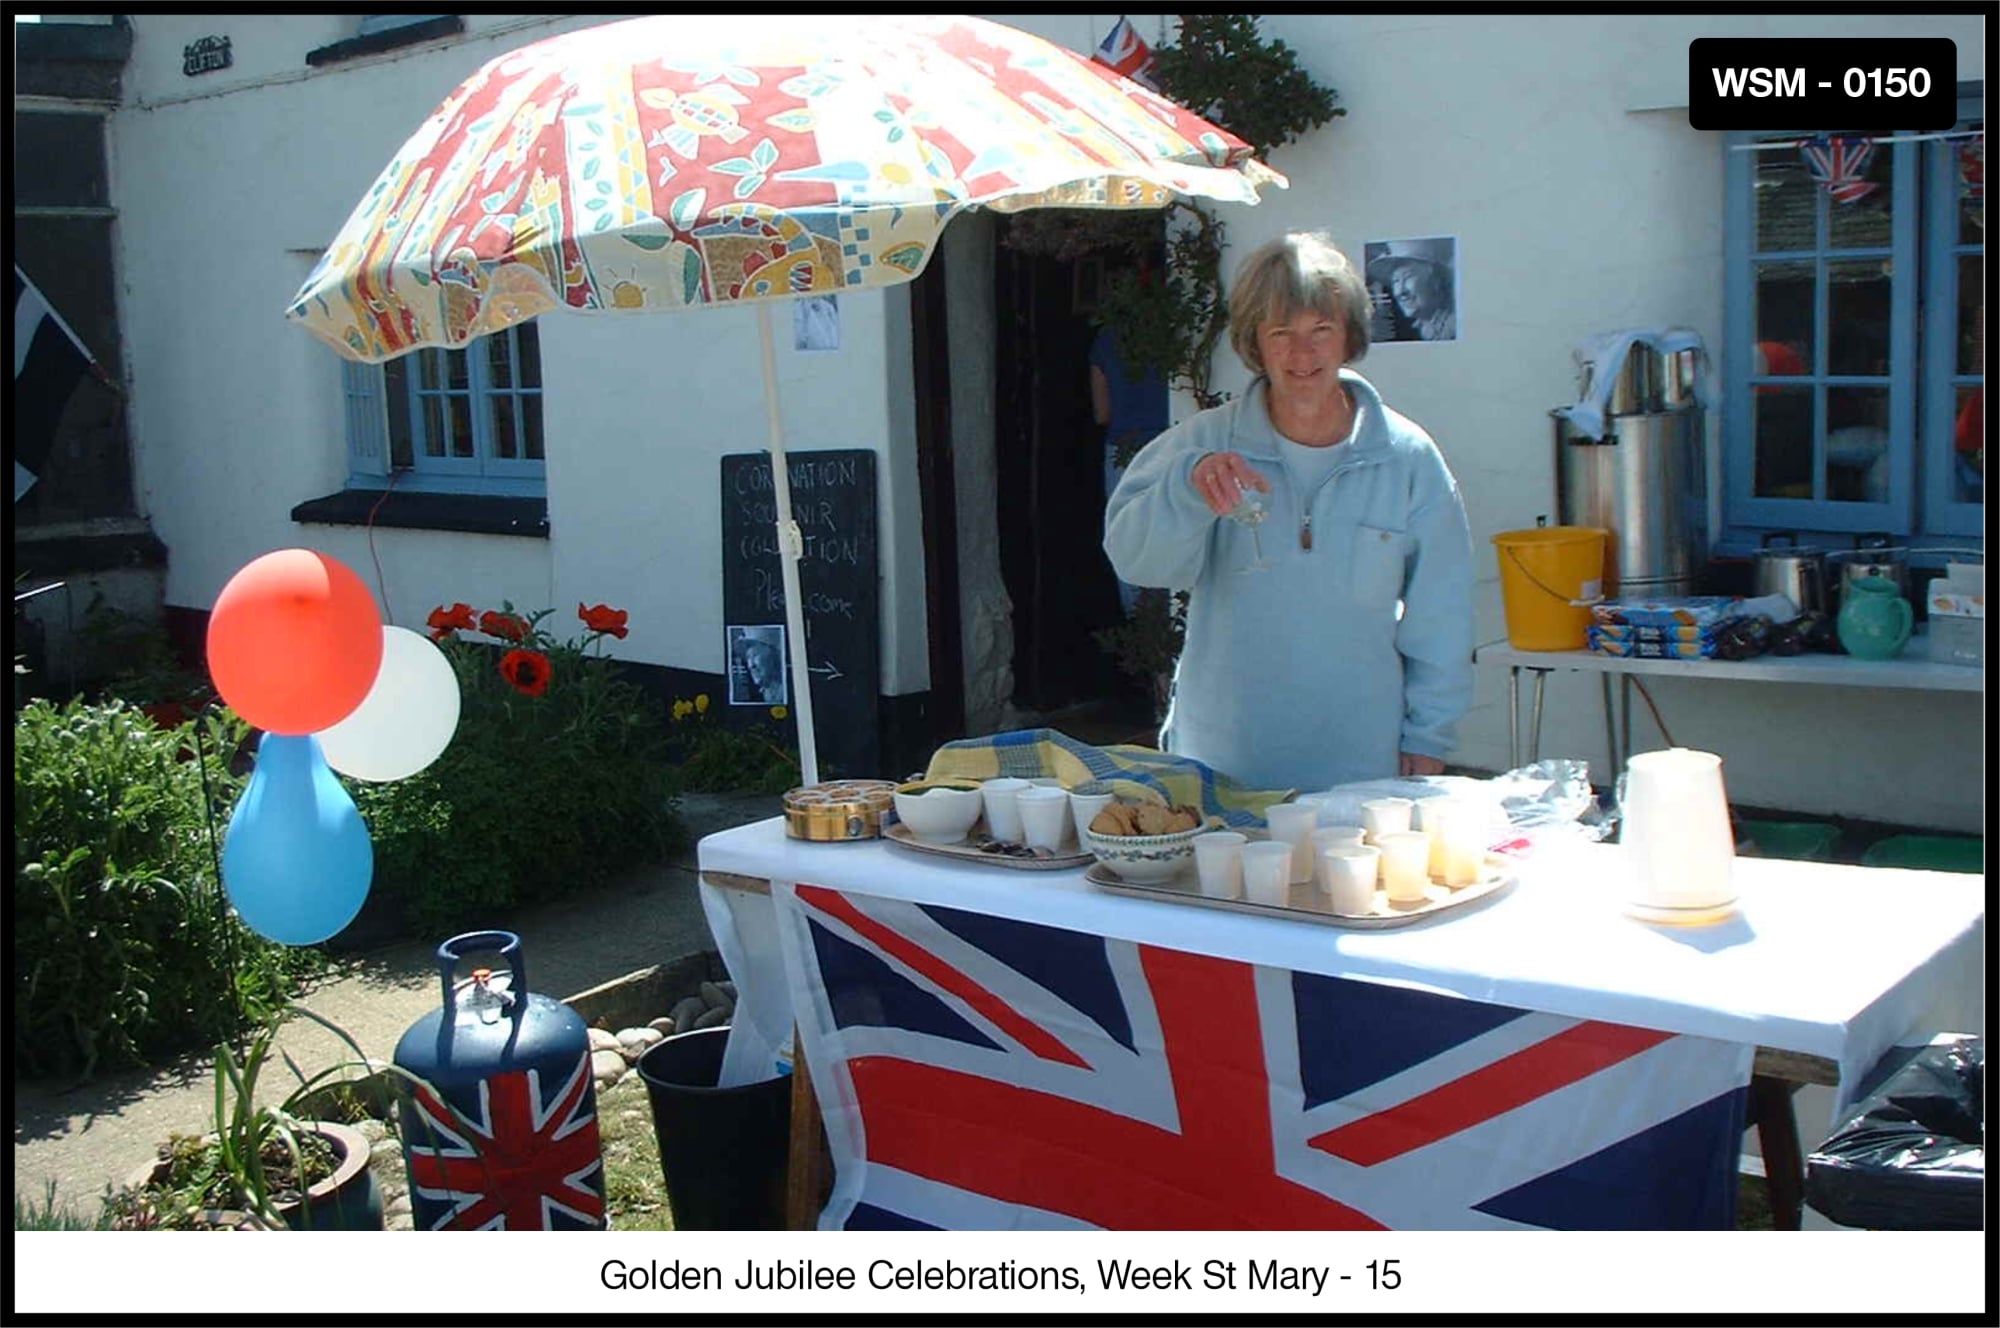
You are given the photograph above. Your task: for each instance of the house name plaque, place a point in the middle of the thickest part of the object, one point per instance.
(205, 56)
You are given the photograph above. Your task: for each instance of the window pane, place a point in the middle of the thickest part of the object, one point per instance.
(1781, 420)
(1857, 444)
(528, 347)
(499, 362)
(1971, 210)
(1968, 447)
(461, 423)
(434, 434)
(396, 388)
(1971, 313)
(500, 413)
(1857, 317)
(1786, 201)
(1785, 317)
(531, 422)
(455, 361)
(1865, 221)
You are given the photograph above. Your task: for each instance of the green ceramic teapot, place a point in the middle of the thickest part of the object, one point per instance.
(1875, 619)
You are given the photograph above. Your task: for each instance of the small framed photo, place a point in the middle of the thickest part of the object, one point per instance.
(757, 665)
(816, 323)
(1413, 286)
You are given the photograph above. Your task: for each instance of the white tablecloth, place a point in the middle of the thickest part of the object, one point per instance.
(1831, 961)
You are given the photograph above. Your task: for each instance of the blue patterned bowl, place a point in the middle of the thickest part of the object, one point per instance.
(1142, 859)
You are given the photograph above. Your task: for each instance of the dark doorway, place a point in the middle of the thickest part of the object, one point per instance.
(1050, 473)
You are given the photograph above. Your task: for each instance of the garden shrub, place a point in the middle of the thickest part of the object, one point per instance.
(749, 756)
(122, 948)
(557, 778)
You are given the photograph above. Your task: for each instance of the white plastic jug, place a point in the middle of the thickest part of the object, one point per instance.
(1679, 851)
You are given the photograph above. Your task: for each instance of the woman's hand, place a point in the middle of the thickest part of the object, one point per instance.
(1411, 763)
(1221, 477)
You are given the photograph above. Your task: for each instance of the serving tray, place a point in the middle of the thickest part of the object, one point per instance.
(973, 850)
(1307, 902)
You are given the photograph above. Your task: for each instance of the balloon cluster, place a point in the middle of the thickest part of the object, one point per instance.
(297, 648)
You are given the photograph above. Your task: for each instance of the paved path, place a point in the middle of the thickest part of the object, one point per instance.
(97, 1133)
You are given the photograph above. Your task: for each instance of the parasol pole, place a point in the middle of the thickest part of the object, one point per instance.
(791, 547)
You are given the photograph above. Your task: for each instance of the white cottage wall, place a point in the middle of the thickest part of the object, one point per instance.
(1557, 150)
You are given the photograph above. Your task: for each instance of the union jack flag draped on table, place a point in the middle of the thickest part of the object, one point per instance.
(1840, 166)
(982, 1073)
(1125, 53)
(536, 1166)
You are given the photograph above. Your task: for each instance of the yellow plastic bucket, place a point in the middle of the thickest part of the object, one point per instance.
(1542, 571)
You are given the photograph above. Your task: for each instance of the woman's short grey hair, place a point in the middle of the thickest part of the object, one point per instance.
(1291, 274)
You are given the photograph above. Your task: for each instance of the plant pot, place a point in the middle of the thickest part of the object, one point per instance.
(347, 1200)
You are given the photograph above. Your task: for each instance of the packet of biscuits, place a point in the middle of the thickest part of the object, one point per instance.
(1145, 818)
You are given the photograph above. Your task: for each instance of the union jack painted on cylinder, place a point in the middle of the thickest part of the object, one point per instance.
(504, 1138)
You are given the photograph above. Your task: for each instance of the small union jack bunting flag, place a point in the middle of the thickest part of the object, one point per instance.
(1840, 166)
(1124, 53)
(1972, 166)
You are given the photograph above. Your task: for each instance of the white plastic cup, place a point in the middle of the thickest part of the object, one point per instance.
(1218, 862)
(1385, 816)
(1347, 878)
(1436, 817)
(1293, 823)
(1406, 860)
(1046, 781)
(1267, 872)
(1084, 807)
(1044, 814)
(1336, 836)
(1003, 816)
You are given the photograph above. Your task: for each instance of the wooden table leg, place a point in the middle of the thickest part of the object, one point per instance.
(1778, 1141)
(806, 1169)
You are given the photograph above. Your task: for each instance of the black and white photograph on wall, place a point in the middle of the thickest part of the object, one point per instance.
(757, 665)
(816, 323)
(1413, 286)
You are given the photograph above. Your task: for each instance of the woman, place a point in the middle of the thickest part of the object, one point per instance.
(1303, 674)
(1422, 291)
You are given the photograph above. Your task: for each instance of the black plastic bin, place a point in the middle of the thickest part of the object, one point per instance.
(723, 1150)
(1911, 1156)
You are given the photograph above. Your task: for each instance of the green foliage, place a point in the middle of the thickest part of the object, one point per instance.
(1222, 70)
(716, 756)
(1146, 644)
(1173, 321)
(30, 1215)
(540, 792)
(122, 947)
(128, 658)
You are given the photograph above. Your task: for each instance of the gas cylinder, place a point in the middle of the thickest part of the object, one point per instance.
(504, 1135)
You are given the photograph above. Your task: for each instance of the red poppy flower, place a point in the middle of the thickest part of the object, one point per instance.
(456, 618)
(503, 625)
(526, 671)
(604, 618)
(443, 634)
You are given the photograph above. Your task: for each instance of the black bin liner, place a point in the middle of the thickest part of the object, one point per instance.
(723, 1150)
(1912, 1154)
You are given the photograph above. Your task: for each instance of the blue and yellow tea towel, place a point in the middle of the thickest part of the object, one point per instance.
(1129, 771)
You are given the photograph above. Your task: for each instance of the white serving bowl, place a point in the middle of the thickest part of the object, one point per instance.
(1143, 859)
(939, 811)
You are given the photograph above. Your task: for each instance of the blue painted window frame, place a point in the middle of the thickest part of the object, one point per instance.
(1923, 308)
(432, 374)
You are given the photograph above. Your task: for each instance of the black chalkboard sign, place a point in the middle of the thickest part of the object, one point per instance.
(833, 500)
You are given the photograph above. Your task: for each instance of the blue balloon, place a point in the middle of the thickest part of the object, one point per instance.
(297, 860)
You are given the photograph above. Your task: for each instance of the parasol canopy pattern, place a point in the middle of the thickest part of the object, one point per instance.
(680, 161)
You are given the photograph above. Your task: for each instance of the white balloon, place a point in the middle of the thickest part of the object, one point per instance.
(406, 720)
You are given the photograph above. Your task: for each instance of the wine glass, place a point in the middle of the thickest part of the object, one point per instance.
(1249, 513)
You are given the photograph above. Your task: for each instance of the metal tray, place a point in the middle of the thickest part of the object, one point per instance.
(1183, 888)
(1068, 856)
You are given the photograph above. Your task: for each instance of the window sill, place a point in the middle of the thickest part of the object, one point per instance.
(449, 25)
(472, 514)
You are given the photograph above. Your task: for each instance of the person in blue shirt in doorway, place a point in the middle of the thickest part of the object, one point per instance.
(1130, 404)
(1332, 642)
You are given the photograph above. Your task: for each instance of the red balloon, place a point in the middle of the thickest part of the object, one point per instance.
(294, 642)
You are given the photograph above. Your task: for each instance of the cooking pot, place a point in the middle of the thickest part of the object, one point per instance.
(1872, 555)
(1795, 571)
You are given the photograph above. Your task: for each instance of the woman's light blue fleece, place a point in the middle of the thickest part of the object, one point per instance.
(1304, 675)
